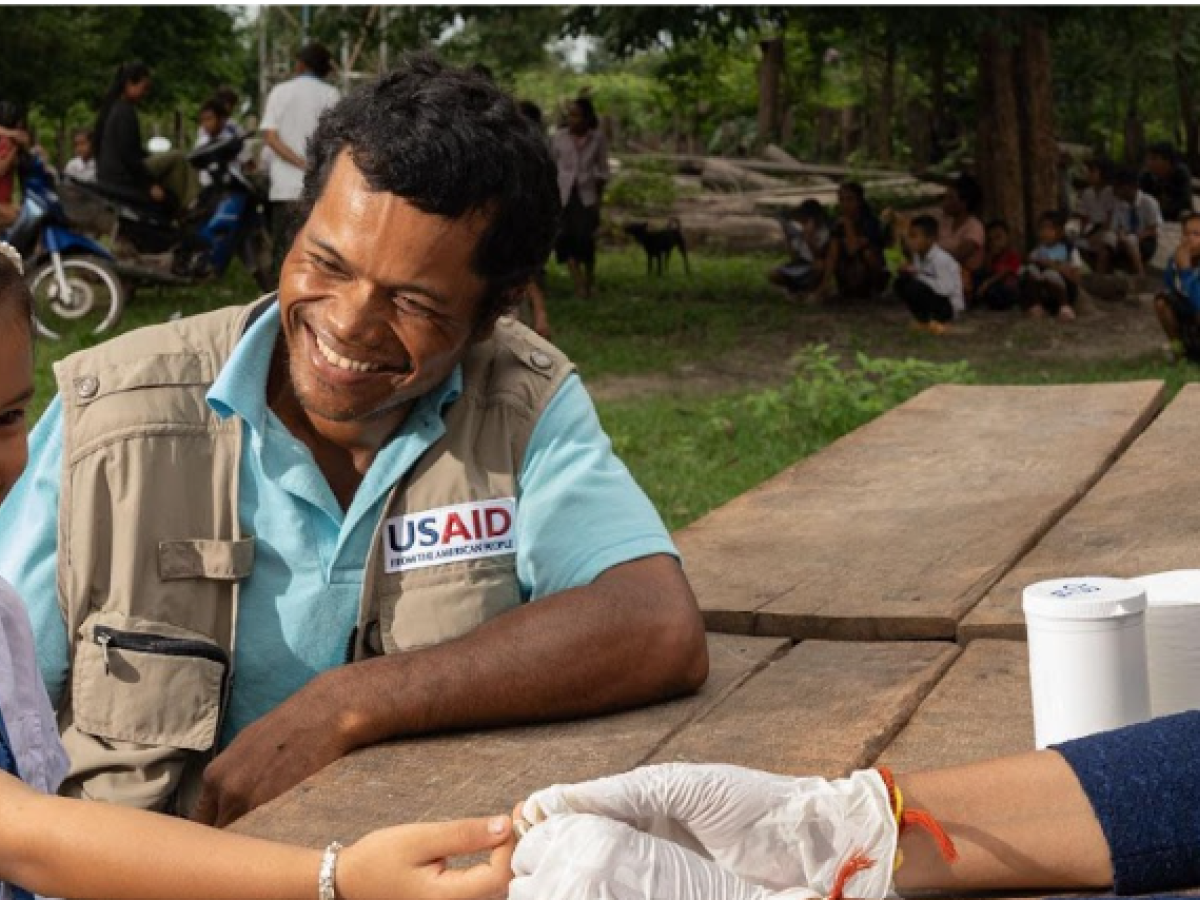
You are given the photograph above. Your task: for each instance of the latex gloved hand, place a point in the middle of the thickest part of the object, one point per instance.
(591, 858)
(772, 830)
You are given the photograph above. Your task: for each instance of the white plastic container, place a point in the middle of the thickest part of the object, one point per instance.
(1087, 656)
(1173, 639)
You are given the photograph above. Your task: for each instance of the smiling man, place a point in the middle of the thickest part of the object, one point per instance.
(369, 508)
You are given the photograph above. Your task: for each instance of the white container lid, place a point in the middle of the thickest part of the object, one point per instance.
(1180, 587)
(1084, 598)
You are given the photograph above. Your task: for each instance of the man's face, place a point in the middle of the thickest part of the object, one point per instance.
(918, 240)
(1160, 166)
(83, 146)
(379, 303)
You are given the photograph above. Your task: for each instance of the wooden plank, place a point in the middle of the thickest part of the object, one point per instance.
(1142, 517)
(897, 530)
(486, 773)
(980, 709)
(824, 709)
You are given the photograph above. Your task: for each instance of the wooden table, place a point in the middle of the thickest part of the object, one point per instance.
(862, 606)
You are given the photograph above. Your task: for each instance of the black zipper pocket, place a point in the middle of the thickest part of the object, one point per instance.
(111, 639)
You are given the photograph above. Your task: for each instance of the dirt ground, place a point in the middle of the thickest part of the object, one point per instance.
(1107, 331)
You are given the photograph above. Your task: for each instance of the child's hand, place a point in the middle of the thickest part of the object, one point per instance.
(410, 861)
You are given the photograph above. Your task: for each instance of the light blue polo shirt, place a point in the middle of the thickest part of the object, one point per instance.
(579, 512)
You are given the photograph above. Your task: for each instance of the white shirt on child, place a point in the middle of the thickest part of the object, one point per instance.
(941, 271)
(1096, 206)
(1149, 214)
(28, 716)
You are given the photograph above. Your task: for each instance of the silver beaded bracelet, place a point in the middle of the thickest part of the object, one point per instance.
(328, 873)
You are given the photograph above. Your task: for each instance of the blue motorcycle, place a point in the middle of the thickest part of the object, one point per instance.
(225, 223)
(73, 278)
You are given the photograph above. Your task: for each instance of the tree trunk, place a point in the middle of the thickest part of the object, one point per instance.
(887, 100)
(1036, 104)
(937, 99)
(999, 149)
(1185, 88)
(770, 90)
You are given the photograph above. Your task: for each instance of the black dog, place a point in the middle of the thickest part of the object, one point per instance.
(659, 244)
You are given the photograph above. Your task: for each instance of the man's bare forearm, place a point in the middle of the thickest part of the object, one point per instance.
(631, 638)
(277, 144)
(1020, 822)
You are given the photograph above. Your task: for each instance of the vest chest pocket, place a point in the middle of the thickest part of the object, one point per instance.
(148, 683)
(438, 604)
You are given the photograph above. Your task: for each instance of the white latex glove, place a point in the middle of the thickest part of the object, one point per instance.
(772, 830)
(590, 858)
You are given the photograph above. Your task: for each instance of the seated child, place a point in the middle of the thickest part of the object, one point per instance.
(1050, 279)
(1097, 241)
(931, 285)
(1178, 307)
(998, 288)
(1136, 219)
(62, 847)
(806, 232)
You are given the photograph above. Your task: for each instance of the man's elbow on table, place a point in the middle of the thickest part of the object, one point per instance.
(674, 632)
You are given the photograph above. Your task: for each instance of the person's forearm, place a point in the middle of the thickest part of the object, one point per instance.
(77, 848)
(1018, 822)
(631, 638)
(286, 153)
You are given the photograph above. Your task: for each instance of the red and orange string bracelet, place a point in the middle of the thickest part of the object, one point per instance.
(905, 819)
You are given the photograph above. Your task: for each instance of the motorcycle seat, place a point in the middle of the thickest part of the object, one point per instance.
(139, 201)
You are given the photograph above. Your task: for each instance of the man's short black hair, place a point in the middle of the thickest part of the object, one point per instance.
(316, 58)
(811, 211)
(451, 143)
(927, 225)
(1124, 177)
(969, 192)
(1163, 150)
(1053, 217)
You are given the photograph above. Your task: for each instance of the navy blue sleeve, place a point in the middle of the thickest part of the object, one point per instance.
(1144, 785)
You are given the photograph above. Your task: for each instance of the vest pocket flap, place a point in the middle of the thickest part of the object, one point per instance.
(162, 370)
(218, 560)
(148, 683)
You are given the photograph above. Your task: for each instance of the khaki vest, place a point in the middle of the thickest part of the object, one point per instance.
(150, 552)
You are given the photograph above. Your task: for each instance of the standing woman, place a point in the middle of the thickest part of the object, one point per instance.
(581, 154)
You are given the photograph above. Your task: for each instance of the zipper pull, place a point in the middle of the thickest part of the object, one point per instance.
(104, 639)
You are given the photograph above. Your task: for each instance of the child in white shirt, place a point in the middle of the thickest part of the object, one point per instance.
(931, 285)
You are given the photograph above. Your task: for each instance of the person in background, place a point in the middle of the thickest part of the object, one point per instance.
(999, 286)
(165, 179)
(1097, 241)
(1050, 280)
(960, 232)
(581, 154)
(1168, 180)
(1178, 306)
(806, 231)
(1136, 220)
(14, 140)
(289, 120)
(81, 848)
(532, 310)
(855, 262)
(214, 126)
(81, 166)
(931, 283)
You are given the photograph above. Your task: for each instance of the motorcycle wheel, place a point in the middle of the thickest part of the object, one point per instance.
(94, 299)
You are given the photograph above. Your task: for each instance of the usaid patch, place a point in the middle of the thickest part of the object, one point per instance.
(450, 534)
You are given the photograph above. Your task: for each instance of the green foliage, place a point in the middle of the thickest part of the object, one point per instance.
(646, 188)
(692, 455)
